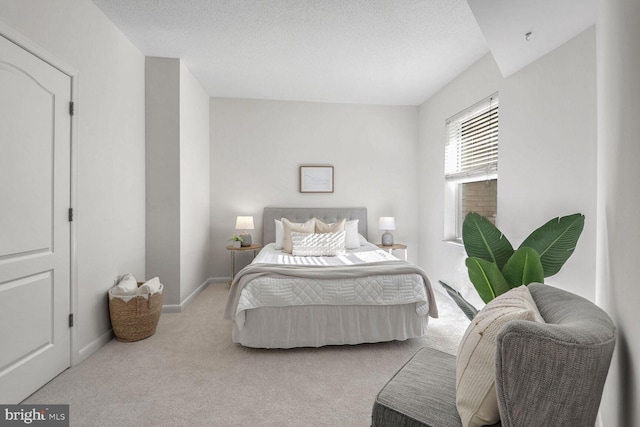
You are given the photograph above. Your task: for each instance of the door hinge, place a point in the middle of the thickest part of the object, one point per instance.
(70, 214)
(71, 108)
(71, 320)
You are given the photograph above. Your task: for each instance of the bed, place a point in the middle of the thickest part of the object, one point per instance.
(363, 295)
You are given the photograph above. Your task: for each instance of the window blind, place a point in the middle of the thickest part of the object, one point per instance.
(472, 141)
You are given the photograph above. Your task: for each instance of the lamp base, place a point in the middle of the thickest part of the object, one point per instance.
(387, 239)
(246, 240)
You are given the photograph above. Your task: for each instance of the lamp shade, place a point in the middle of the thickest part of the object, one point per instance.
(244, 223)
(387, 223)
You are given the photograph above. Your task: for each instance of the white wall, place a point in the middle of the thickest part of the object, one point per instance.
(547, 157)
(110, 146)
(257, 147)
(619, 201)
(177, 180)
(445, 261)
(548, 139)
(195, 258)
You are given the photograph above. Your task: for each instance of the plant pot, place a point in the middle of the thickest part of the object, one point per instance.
(237, 243)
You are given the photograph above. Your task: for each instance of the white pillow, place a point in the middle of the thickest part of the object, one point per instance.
(318, 244)
(363, 240)
(127, 285)
(279, 234)
(476, 397)
(352, 239)
(288, 226)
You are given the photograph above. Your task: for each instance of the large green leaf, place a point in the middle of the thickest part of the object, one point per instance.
(555, 241)
(483, 240)
(487, 278)
(523, 267)
(469, 310)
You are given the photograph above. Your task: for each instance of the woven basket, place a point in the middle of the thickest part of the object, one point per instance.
(137, 318)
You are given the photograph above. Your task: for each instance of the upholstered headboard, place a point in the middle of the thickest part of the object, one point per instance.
(327, 215)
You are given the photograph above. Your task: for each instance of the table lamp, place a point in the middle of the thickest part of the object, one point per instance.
(245, 223)
(387, 223)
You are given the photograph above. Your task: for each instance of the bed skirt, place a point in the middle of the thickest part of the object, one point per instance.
(320, 325)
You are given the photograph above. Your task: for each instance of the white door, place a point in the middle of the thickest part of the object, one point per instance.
(35, 139)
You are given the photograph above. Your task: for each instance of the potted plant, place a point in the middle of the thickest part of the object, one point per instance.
(236, 241)
(495, 267)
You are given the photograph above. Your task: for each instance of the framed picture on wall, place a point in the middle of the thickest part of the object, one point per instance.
(316, 179)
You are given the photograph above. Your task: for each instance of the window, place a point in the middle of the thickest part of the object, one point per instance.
(471, 165)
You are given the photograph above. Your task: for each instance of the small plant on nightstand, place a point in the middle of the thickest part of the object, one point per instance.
(237, 240)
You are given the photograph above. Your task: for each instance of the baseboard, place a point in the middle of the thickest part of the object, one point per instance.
(92, 347)
(172, 308)
(96, 344)
(179, 308)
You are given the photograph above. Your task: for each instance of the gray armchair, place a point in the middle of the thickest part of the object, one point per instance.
(547, 374)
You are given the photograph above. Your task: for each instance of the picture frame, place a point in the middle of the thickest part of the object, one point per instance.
(316, 179)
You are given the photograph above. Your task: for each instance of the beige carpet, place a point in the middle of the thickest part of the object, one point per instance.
(191, 374)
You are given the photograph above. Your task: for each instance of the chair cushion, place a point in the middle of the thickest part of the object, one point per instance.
(476, 397)
(422, 393)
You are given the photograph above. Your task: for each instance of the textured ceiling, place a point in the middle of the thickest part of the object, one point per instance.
(391, 52)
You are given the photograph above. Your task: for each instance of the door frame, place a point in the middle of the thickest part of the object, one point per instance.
(35, 49)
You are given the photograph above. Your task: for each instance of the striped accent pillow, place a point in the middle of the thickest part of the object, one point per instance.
(476, 397)
(318, 244)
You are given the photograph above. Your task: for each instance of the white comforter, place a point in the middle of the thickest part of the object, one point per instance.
(382, 280)
(364, 254)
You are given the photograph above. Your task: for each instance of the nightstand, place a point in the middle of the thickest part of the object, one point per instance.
(233, 250)
(391, 248)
